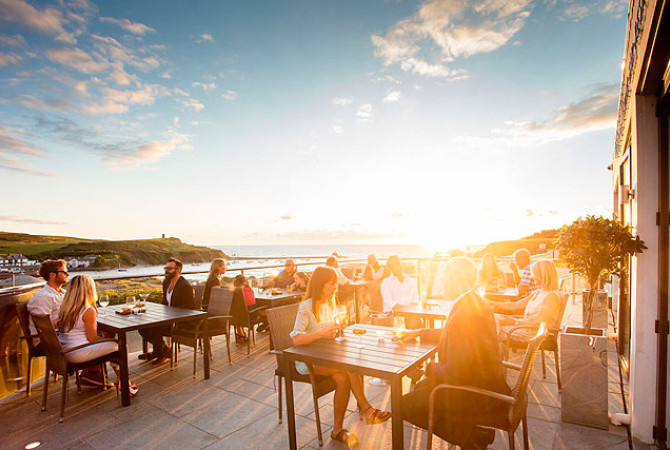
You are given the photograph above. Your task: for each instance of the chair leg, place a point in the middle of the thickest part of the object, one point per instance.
(279, 399)
(544, 366)
(103, 371)
(46, 388)
(211, 353)
(510, 438)
(195, 360)
(230, 360)
(249, 342)
(63, 397)
(317, 417)
(30, 361)
(524, 424)
(558, 370)
(77, 382)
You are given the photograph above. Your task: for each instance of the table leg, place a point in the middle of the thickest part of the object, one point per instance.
(357, 304)
(396, 409)
(206, 343)
(290, 407)
(123, 369)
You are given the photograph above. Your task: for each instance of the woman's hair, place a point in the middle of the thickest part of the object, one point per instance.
(395, 266)
(240, 280)
(375, 264)
(214, 268)
(545, 274)
(459, 276)
(321, 276)
(80, 294)
(489, 266)
(332, 261)
(303, 276)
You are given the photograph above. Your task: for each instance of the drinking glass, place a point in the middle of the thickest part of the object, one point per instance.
(144, 297)
(340, 319)
(398, 326)
(359, 332)
(130, 301)
(103, 301)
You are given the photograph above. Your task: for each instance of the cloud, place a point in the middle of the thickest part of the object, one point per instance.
(576, 11)
(117, 52)
(12, 140)
(77, 59)
(364, 113)
(13, 41)
(596, 111)
(342, 101)
(397, 214)
(345, 235)
(452, 29)
(115, 101)
(287, 217)
(165, 75)
(192, 103)
(392, 97)
(18, 219)
(131, 27)
(42, 104)
(7, 59)
(337, 127)
(205, 37)
(529, 212)
(204, 86)
(12, 164)
(230, 95)
(48, 20)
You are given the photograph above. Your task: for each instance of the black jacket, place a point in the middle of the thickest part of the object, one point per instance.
(183, 295)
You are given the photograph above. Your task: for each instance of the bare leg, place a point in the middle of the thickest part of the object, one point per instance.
(341, 398)
(358, 390)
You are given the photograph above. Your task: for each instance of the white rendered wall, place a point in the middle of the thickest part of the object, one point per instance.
(644, 271)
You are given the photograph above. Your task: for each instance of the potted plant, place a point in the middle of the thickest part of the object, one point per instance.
(592, 247)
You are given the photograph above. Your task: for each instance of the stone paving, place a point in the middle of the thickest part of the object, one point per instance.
(237, 409)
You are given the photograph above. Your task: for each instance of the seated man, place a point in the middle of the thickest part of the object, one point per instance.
(469, 355)
(177, 292)
(285, 277)
(523, 278)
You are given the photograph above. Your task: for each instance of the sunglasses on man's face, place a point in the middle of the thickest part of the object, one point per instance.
(63, 271)
(169, 269)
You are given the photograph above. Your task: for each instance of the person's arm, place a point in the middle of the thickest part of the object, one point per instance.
(547, 315)
(326, 332)
(515, 271)
(91, 324)
(510, 307)
(388, 300)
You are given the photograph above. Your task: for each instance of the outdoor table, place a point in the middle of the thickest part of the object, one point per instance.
(266, 298)
(358, 292)
(432, 310)
(155, 315)
(506, 295)
(379, 358)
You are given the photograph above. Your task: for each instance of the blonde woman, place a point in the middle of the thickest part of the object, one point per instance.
(315, 321)
(542, 305)
(77, 322)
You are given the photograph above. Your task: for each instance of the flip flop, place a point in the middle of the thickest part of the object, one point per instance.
(345, 437)
(378, 416)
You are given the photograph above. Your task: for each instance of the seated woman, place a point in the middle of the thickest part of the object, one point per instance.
(398, 289)
(301, 280)
(489, 275)
(217, 269)
(240, 281)
(469, 355)
(77, 322)
(373, 270)
(542, 305)
(315, 321)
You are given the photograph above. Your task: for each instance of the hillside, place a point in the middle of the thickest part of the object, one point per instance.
(111, 253)
(533, 244)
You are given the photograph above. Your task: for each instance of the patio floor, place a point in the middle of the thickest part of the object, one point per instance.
(237, 408)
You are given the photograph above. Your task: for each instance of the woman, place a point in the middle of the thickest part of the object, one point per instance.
(488, 275)
(217, 269)
(469, 355)
(315, 321)
(240, 281)
(542, 305)
(301, 280)
(373, 270)
(77, 322)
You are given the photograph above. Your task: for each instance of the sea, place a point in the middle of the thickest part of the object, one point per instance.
(267, 259)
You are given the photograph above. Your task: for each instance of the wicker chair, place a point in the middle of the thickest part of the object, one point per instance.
(218, 323)
(516, 340)
(34, 350)
(281, 321)
(57, 363)
(516, 413)
(242, 317)
(199, 289)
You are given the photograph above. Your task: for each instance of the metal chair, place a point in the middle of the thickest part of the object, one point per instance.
(218, 322)
(281, 321)
(517, 402)
(34, 350)
(57, 362)
(516, 340)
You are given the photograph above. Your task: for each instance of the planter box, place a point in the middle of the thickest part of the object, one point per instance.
(584, 373)
(599, 310)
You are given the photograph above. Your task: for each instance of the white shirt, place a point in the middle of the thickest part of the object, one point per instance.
(396, 292)
(342, 279)
(168, 296)
(46, 301)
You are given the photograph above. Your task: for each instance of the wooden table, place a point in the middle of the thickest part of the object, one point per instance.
(506, 295)
(433, 310)
(156, 315)
(382, 359)
(358, 285)
(265, 297)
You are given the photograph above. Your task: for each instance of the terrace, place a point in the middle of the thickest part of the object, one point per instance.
(237, 408)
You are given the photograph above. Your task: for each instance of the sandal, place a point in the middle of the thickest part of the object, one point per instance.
(132, 387)
(347, 438)
(378, 416)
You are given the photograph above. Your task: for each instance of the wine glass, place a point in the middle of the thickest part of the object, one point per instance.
(103, 301)
(130, 301)
(359, 332)
(398, 327)
(144, 297)
(340, 320)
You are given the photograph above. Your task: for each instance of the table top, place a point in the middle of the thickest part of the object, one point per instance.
(157, 314)
(434, 309)
(379, 357)
(506, 295)
(267, 294)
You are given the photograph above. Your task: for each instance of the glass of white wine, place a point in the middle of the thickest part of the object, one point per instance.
(130, 302)
(359, 332)
(103, 301)
(144, 298)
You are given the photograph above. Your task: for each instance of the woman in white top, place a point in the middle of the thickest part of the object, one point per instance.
(542, 305)
(77, 322)
(315, 320)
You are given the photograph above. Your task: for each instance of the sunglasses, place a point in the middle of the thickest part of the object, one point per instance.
(63, 271)
(169, 269)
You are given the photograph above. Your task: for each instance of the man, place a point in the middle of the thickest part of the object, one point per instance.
(523, 278)
(177, 292)
(285, 277)
(48, 300)
(334, 262)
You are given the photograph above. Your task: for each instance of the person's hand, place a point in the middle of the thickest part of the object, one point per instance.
(407, 337)
(328, 331)
(513, 267)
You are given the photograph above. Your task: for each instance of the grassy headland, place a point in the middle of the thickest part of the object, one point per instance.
(110, 253)
(539, 242)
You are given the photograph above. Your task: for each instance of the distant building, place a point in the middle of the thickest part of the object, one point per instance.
(15, 260)
(81, 262)
(641, 189)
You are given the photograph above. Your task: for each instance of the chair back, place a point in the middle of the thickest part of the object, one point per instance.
(563, 303)
(220, 301)
(199, 289)
(282, 320)
(520, 391)
(24, 320)
(239, 310)
(50, 344)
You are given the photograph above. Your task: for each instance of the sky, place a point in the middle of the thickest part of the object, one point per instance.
(444, 123)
